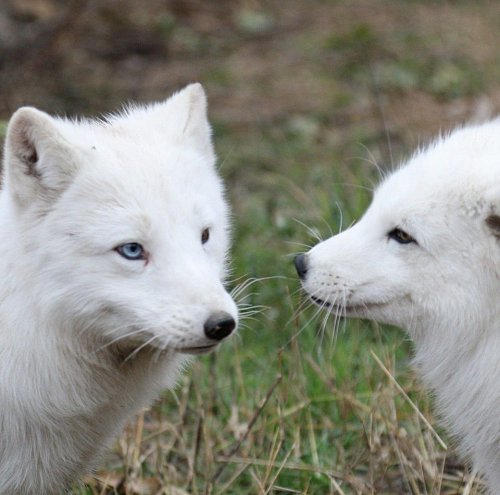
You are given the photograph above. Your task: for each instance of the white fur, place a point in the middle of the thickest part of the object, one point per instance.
(88, 337)
(444, 289)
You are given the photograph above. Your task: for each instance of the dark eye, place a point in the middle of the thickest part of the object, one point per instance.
(401, 236)
(205, 235)
(131, 251)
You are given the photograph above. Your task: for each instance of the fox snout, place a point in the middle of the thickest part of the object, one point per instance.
(301, 265)
(219, 325)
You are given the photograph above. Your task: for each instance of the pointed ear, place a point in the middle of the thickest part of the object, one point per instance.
(39, 162)
(192, 105)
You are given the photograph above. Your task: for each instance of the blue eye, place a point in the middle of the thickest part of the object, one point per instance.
(131, 251)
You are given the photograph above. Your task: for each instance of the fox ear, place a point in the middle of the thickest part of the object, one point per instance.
(39, 161)
(493, 222)
(195, 127)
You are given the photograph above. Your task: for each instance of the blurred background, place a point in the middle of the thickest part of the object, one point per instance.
(307, 99)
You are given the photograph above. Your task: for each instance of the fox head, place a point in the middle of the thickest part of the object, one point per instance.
(123, 224)
(425, 256)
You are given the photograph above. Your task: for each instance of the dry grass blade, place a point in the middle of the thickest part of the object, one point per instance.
(407, 398)
(295, 466)
(251, 423)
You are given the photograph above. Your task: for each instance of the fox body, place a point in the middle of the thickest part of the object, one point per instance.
(115, 237)
(426, 257)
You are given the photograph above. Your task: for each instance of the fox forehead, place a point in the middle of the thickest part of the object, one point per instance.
(455, 173)
(165, 170)
(133, 185)
(145, 201)
(143, 162)
(441, 195)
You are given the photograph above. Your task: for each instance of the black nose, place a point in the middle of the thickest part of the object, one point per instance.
(301, 265)
(219, 325)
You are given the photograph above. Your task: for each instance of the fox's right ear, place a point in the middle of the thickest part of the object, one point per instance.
(39, 162)
(493, 223)
(188, 108)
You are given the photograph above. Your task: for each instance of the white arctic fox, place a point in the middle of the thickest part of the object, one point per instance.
(426, 257)
(114, 246)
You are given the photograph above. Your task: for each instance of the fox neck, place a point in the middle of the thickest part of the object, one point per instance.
(461, 366)
(63, 397)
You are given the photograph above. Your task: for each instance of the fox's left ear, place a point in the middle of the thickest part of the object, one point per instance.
(493, 223)
(492, 202)
(190, 104)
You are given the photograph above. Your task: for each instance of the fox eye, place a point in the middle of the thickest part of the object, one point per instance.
(205, 235)
(131, 251)
(401, 236)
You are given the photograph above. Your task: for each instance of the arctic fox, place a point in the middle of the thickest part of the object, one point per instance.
(426, 257)
(115, 235)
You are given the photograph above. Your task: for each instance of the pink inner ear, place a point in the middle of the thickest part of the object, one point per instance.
(29, 156)
(25, 150)
(31, 160)
(493, 222)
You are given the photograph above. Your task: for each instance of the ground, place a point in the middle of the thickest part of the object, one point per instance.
(305, 97)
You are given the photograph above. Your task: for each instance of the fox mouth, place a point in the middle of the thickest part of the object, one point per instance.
(151, 345)
(202, 349)
(345, 308)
